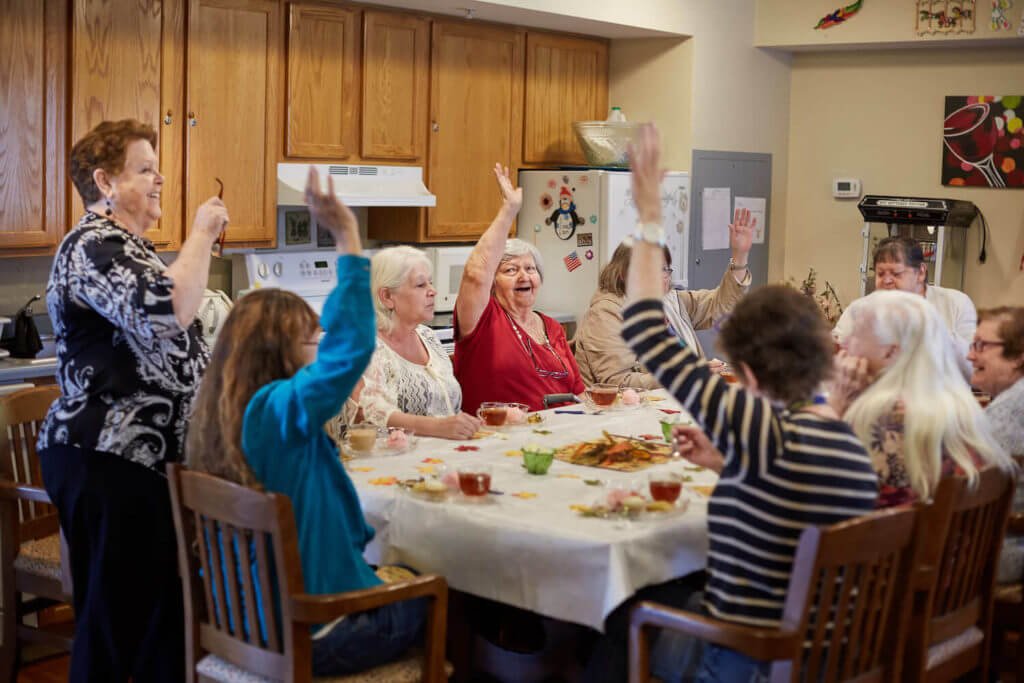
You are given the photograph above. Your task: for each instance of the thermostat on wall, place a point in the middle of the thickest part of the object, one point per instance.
(843, 188)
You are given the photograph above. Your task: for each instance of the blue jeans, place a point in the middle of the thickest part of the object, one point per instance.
(367, 639)
(722, 665)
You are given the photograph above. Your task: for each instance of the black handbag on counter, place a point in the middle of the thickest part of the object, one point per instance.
(26, 342)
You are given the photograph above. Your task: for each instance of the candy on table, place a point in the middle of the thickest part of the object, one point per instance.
(630, 397)
(515, 415)
(397, 438)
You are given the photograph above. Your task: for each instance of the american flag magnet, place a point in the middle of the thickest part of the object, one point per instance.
(572, 261)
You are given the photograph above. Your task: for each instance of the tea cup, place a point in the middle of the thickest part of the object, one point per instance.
(493, 413)
(361, 438)
(474, 479)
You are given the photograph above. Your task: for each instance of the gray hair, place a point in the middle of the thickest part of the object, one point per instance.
(389, 269)
(515, 247)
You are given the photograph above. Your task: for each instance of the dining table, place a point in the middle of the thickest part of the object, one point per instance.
(527, 543)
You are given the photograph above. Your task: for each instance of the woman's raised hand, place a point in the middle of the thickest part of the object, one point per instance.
(741, 234)
(511, 196)
(211, 218)
(646, 173)
(331, 213)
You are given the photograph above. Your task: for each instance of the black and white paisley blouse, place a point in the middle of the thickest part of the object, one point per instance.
(127, 370)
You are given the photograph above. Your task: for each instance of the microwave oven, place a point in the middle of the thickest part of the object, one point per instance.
(448, 264)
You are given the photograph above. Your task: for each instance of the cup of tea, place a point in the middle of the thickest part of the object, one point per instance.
(361, 437)
(493, 413)
(665, 486)
(474, 480)
(728, 375)
(603, 395)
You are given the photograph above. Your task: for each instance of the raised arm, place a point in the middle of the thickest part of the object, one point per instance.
(478, 276)
(644, 279)
(191, 270)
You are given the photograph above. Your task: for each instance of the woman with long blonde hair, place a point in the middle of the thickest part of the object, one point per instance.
(904, 395)
(271, 385)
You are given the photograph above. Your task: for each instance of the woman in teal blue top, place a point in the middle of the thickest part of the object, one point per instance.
(269, 389)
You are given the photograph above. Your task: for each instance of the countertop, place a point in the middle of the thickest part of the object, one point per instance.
(16, 369)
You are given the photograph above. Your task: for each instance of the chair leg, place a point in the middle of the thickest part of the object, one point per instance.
(9, 645)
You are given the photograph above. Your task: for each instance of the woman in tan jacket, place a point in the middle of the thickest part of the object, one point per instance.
(601, 353)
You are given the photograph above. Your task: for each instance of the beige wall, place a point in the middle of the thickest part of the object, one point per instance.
(790, 23)
(877, 116)
(714, 91)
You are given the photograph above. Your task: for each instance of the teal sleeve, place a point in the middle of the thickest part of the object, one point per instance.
(296, 408)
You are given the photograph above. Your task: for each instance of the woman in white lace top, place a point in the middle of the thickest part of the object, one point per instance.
(409, 382)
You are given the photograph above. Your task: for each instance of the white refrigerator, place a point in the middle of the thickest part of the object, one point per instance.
(576, 218)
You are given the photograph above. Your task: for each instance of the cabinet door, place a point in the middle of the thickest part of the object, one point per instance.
(476, 76)
(128, 62)
(33, 110)
(233, 107)
(566, 81)
(396, 54)
(323, 54)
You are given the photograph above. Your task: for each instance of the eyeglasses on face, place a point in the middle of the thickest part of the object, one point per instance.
(512, 270)
(979, 345)
(667, 270)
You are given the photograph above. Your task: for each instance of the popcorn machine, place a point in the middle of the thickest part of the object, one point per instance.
(940, 225)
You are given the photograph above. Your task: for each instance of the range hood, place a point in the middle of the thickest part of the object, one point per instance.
(357, 184)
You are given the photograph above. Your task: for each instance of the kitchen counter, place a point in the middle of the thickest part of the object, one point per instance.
(17, 369)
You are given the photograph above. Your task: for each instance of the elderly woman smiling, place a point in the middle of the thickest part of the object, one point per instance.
(504, 350)
(409, 382)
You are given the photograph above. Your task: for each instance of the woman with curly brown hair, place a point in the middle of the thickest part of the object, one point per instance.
(787, 461)
(259, 421)
(130, 355)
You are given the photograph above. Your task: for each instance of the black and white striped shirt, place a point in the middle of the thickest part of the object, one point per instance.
(784, 471)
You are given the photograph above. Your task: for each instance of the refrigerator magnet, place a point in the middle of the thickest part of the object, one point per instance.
(589, 255)
(564, 218)
(572, 261)
(585, 239)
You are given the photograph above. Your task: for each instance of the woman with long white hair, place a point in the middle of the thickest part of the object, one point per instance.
(900, 387)
(409, 382)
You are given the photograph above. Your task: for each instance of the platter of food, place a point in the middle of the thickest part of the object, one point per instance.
(615, 452)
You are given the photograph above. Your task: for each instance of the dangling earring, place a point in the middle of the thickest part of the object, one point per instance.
(110, 208)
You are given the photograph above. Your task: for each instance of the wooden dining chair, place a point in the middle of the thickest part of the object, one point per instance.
(32, 555)
(954, 581)
(242, 543)
(846, 606)
(1008, 608)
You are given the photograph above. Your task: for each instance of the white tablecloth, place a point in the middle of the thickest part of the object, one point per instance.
(535, 552)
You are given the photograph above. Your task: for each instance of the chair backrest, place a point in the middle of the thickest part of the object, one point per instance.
(240, 543)
(847, 593)
(957, 562)
(21, 415)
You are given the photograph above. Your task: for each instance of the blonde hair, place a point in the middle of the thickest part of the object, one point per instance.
(389, 269)
(941, 416)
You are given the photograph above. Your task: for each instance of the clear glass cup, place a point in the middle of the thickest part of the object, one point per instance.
(362, 438)
(474, 479)
(665, 486)
(603, 395)
(493, 413)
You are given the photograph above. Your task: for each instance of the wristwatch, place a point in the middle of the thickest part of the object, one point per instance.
(736, 266)
(650, 232)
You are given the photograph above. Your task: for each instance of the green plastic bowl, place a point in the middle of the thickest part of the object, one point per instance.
(538, 461)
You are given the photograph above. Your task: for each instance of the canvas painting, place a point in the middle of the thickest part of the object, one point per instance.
(983, 141)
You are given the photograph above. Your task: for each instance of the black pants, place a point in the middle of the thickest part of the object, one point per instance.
(116, 516)
(609, 661)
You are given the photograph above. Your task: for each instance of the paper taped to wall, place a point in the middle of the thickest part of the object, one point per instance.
(756, 205)
(715, 217)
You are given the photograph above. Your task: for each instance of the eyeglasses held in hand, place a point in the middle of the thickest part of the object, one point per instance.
(218, 246)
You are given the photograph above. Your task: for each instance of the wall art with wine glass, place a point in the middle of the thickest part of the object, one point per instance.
(983, 141)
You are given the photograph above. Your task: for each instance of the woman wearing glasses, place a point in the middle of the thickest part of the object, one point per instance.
(504, 350)
(601, 352)
(900, 388)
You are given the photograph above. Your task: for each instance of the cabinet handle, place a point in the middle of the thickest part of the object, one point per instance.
(697, 261)
(435, 126)
(192, 120)
(167, 119)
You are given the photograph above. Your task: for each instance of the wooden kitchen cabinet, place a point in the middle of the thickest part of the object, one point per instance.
(476, 80)
(233, 108)
(33, 116)
(323, 81)
(128, 62)
(566, 81)
(396, 82)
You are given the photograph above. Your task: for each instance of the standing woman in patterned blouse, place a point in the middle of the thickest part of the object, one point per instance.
(409, 382)
(130, 355)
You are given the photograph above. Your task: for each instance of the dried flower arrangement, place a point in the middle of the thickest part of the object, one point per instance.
(828, 300)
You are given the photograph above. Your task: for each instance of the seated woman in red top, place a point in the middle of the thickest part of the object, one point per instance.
(900, 387)
(504, 350)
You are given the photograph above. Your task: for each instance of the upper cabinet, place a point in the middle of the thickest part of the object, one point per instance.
(33, 142)
(476, 77)
(396, 58)
(126, 63)
(566, 81)
(323, 81)
(233, 105)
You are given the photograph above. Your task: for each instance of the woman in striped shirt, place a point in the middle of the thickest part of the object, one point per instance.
(788, 462)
